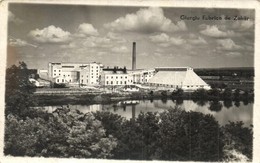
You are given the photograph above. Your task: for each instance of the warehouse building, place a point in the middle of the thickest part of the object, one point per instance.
(177, 77)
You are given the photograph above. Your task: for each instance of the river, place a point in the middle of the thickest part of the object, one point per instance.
(223, 111)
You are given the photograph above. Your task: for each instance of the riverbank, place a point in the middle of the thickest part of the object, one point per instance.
(66, 96)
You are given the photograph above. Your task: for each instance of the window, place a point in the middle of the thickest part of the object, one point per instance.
(58, 81)
(97, 70)
(126, 77)
(107, 82)
(91, 76)
(121, 77)
(111, 77)
(111, 82)
(59, 70)
(54, 70)
(116, 77)
(59, 74)
(125, 82)
(121, 82)
(116, 82)
(54, 74)
(62, 80)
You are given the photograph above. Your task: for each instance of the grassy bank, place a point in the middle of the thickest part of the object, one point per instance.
(87, 98)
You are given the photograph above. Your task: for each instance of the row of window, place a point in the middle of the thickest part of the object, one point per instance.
(117, 82)
(116, 77)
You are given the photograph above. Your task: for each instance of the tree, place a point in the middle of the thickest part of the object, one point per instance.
(19, 91)
(200, 94)
(178, 93)
(64, 134)
(238, 137)
(137, 139)
(189, 136)
(227, 94)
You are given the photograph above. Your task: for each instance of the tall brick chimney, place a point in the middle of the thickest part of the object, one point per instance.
(134, 56)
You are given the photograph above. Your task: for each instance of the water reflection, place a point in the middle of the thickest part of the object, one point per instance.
(223, 111)
(228, 103)
(237, 104)
(215, 106)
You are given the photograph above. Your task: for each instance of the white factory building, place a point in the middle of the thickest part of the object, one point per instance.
(115, 76)
(75, 73)
(177, 77)
(141, 76)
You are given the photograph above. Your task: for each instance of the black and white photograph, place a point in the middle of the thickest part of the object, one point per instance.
(125, 82)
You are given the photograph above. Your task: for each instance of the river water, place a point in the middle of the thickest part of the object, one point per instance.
(222, 111)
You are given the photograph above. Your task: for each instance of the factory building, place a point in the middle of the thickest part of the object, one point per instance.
(177, 77)
(141, 76)
(115, 76)
(75, 73)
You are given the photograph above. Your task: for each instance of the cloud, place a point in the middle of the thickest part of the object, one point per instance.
(71, 45)
(86, 29)
(144, 54)
(116, 37)
(146, 20)
(165, 41)
(121, 49)
(50, 34)
(94, 41)
(14, 19)
(197, 40)
(213, 31)
(160, 38)
(243, 25)
(233, 54)
(228, 44)
(19, 43)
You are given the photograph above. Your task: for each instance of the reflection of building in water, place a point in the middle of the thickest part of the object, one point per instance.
(95, 107)
(133, 112)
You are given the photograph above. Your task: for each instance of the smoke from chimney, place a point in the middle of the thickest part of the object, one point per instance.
(134, 56)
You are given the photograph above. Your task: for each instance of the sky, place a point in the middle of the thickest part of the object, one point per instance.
(164, 36)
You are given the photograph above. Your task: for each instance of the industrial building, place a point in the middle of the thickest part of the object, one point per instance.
(115, 76)
(141, 76)
(94, 73)
(177, 77)
(75, 73)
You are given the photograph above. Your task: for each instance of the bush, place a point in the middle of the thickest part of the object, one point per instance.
(61, 85)
(200, 94)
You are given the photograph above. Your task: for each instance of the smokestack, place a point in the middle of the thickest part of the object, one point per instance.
(134, 56)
